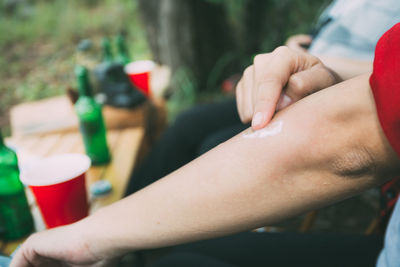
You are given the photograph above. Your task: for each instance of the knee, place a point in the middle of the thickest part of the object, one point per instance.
(199, 114)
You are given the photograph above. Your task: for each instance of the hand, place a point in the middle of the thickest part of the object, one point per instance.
(277, 79)
(298, 42)
(63, 246)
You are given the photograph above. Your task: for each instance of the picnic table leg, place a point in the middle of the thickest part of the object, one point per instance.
(308, 221)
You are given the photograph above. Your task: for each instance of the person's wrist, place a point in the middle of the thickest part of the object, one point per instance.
(100, 237)
(86, 237)
(94, 238)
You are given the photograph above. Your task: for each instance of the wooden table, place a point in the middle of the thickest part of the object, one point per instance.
(124, 145)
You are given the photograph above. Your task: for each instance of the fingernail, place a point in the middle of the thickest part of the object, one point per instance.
(257, 119)
(284, 102)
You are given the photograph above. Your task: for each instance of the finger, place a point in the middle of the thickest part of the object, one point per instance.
(309, 81)
(265, 104)
(244, 95)
(272, 72)
(248, 85)
(19, 260)
(303, 38)
(295, 42)
(239, 98)
(26, 257)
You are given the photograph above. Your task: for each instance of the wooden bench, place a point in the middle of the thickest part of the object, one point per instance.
(124, 145)
(48, 127)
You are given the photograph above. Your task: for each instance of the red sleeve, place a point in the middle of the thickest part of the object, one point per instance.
(385, 84)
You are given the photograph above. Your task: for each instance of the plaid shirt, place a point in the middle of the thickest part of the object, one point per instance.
(354, 27)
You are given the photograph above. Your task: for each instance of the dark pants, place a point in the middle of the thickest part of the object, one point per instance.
(193, 133)
(277, 250)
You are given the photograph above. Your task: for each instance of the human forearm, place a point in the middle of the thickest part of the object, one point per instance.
(330, 147)
(318, 158)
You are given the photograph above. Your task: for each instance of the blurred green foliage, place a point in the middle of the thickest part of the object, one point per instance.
(253, 27)
(261, 25)
(38, 42)
(38, 38)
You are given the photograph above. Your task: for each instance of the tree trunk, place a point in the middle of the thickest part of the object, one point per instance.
(189, 35)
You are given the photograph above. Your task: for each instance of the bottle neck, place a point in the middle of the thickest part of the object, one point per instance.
(1, 140)
(84, 87)
(107, 55)
(122, 50)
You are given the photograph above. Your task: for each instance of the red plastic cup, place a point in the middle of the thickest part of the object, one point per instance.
(58, 184)
(139, 73)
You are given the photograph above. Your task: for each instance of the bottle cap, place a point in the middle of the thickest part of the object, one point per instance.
(100, 188)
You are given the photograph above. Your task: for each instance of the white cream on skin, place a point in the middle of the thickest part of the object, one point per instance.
(271, 130)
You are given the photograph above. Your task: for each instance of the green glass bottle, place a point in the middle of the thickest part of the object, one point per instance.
(15, 216)
(107, 51)
(122, 51)
(91, 120)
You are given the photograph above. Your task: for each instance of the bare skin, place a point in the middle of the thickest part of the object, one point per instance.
(298, 42)
(276, 80)
(331, 147)
(346, 68)
(282, 77)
